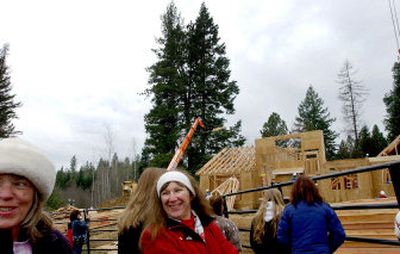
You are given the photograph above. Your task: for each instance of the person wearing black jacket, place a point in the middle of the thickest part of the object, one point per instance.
(263, 233)
(130, 224)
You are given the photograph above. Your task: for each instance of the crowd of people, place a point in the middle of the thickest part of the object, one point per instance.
(178, 219)
(168, 213)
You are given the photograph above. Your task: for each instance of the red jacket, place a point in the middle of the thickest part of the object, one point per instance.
(177, 238)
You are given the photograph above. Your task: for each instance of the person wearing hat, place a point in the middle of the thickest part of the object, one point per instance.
(180, 220)
(27, 179)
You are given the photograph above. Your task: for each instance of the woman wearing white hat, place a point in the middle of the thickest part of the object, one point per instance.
(27, 179)
(180, 220)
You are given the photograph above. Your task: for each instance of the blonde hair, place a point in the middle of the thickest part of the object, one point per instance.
(135, 211)
(258, 222)
(36, 222)
(157, 218)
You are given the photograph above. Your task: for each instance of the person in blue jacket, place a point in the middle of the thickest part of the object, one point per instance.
(79, 231)
(308, 224)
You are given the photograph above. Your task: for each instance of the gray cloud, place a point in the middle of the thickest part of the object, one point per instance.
(79, 66)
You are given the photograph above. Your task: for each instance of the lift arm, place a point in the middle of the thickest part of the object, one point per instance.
(181, 150)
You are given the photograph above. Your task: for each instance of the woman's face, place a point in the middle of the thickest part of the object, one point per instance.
(16, 198)
(175, 199)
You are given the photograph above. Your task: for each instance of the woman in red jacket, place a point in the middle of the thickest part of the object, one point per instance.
(180, 220)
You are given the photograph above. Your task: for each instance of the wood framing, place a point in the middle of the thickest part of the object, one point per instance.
(392, 149)
(231, 185)
(230, 162)
(281, 158)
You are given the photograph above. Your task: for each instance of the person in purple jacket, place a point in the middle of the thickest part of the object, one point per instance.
(27, 179)
(308, 224)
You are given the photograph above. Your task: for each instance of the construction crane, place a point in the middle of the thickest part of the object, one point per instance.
(182, 148)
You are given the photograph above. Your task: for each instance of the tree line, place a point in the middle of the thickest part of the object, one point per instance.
(191, 77)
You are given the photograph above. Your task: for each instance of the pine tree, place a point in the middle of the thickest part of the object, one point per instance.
(7, 100)
(364, 147)
(167, 79)
(190, 79)
(72, 165)
(274, 126)
(378, 140)
(392, 102)
(352, 93)
(345, 149)
(312, 116)
(210, 92)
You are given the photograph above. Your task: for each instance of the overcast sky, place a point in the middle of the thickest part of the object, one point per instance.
(78, 66)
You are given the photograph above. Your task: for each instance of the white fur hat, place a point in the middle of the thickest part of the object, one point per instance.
(174, 176)
(22, 158)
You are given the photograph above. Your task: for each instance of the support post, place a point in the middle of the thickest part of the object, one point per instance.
(226, 214)
(394, 171)
(86, 215)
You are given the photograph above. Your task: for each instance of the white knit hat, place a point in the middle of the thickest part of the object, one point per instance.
(174, 176)
(22, 158)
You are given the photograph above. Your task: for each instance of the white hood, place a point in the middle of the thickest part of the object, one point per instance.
(270, 211)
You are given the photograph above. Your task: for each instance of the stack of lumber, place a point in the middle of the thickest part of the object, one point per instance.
(371, 223)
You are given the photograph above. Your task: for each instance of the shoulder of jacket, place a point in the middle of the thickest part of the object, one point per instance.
(398, 217)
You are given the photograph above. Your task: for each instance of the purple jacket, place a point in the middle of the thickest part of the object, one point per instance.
(53, 242)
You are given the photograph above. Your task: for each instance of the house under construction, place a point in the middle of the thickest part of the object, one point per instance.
(281, 158)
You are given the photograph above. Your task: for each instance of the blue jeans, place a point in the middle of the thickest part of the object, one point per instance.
(77, 249)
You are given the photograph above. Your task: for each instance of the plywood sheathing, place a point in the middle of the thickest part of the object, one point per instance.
(269, 163)
(363, 181)
(277, 158)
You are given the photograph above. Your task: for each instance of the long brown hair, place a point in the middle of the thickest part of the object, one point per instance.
(36, 223)
(157, 218)
(137, 207)
(217, 203)
(304, 189)
(275, 196)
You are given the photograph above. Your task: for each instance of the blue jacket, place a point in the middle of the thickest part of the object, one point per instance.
(310, 229)
(79, 227)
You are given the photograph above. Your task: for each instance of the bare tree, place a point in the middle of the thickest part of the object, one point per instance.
(134, 159)
(352, 93)
(109, 142)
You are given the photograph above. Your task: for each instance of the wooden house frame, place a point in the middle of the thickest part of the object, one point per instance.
(279, 159)
(238, 162)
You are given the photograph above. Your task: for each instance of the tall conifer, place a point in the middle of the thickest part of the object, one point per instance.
(210, 92)
(392, 102)
(167, 81)
(190, 78)
(313, 116)
(7, 99)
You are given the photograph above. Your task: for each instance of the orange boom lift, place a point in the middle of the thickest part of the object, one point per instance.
(181, 150)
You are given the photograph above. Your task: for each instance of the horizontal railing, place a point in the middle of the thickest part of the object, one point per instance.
(394, 169)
